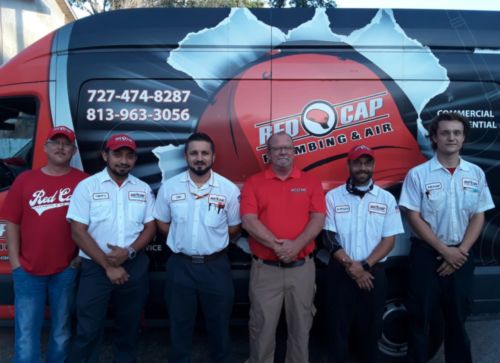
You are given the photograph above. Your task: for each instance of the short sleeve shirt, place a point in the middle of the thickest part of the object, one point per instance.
(361, 223)
(283, 206)
(199, 217)
(38, 203)
(114, 214)
(446, 201)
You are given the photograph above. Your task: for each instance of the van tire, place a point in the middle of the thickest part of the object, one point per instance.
(393, 344)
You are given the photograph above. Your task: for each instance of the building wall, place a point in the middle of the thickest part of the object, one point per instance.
(22, 22)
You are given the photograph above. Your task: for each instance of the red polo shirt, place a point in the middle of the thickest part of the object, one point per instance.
(283, 206)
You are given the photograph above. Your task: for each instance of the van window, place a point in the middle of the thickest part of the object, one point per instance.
(17, 128)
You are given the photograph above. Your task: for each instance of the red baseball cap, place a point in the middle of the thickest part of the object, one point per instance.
(61, 130)
(358, 151)
(118, 141)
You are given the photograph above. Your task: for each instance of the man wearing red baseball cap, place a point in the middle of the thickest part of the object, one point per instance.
(360, 227)
(41, 249)
(111, 216)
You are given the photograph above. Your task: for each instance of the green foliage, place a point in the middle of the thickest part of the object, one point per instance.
(97, 6)
(303, 3)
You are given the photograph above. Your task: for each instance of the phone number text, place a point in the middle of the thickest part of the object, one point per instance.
(138, 114)
(136, 95)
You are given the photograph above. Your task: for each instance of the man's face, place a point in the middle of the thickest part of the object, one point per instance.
(449, 137)
(199, 157)
(361, 170)
(120, 162)
(281, 152)
(59, 150)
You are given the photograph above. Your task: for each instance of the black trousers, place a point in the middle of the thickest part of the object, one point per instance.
(95, 293)
(428, 293)
(211, 284)
(352, 310)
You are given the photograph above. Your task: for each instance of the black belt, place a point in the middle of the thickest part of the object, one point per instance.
(425, 244)
(202, 258)
(279, 263)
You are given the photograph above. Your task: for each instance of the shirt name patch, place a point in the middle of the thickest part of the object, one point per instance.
(298, 190)
(216, 199)
(377, 208)
(342, 209)
(100, 196)
(470, 183)
(433, 186)
(137, 196)
(178, 196)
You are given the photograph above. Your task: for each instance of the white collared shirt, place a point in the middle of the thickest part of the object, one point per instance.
(361, 223)
(198, 225)
(446, 201)
(114, 214)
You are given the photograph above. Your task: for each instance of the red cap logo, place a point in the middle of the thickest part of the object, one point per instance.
(118, 141)
(360, 150)
(331, 107)
(61, 130)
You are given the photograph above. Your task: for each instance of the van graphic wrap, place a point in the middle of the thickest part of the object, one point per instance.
(331, 78)
(240, 75)
(325, 115)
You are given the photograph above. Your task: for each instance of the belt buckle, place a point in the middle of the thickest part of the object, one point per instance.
(197, 259)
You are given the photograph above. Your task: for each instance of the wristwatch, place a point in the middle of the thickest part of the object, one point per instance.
(131, 252)
(365, 265)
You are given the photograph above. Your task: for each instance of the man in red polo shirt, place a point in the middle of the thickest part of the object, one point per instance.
(283, 210)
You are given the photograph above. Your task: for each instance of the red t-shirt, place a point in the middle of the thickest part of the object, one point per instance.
(283, 206)
(38, 203)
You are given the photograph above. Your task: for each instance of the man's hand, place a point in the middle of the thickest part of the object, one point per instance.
(456, 257)
(117, 256)
(365, 281)
(445, 269)
(117, 275)
(355, 270)
(286, 250)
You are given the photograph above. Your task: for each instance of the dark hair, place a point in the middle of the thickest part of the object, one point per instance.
(199, 136)
(447, 116)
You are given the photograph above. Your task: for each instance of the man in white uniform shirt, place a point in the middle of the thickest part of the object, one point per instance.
(360, 227)
(445, 199)
(198, 210)
(111, 216)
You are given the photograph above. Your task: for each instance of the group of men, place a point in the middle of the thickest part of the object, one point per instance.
(112, 216)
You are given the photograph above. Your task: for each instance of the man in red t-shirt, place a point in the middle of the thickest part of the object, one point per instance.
(283, 210)
(41, 249)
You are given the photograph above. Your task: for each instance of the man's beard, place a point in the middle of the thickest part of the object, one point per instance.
(361, 180)
(202, 171)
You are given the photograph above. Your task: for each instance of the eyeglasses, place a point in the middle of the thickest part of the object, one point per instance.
(287, 149)
(63, 144)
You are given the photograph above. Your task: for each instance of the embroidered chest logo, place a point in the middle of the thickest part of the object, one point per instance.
(137, 196)
(470, 184)
(218, 201)
(378, 208)
(41, 202)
